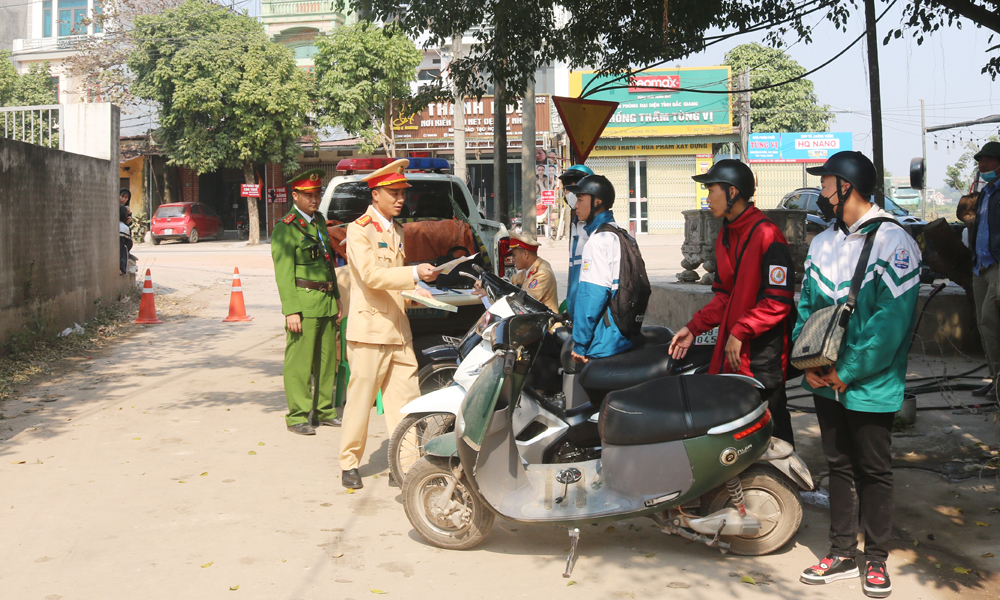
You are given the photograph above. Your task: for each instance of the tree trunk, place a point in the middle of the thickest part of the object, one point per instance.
(529, 223)
(500, 192)
(876, 100)
(252, 205)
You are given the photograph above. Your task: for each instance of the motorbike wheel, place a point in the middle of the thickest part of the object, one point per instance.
(406, 444)
(772, 498)
(462, 524)
(436, 376)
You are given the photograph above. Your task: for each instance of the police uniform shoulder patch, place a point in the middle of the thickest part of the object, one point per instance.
(363, 220)
(533, 284)
(288, 219)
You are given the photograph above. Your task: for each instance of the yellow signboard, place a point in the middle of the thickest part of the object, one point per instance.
(632, 149)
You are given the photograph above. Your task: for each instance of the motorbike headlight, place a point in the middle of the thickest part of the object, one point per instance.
(484, 322)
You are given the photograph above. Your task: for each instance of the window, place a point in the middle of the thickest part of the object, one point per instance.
(71, 16)
(428, 74)
(425, 200)
(47, 18)
(166, 212)
(195, 210)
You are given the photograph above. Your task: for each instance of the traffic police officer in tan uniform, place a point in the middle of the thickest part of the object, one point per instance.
(310, 301)
(534, 273)
(379, 343)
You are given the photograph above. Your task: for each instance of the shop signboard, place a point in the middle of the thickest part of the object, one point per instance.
(548, 197)
(249, 190)
(277, 195)
(800, 147)
(703, 162)
(662, 102)
(436, 121)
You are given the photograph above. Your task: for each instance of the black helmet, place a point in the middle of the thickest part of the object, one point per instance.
(597, 186)
(732, 172)
(852, 167)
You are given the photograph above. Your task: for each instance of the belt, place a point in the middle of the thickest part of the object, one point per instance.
(323, 286)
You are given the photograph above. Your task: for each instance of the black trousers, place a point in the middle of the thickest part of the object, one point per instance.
(777, 403)
(856, 445)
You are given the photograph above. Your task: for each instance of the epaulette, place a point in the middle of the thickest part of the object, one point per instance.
(288, 219)
(363, 220)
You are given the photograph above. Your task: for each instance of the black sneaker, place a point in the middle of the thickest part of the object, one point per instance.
(877, 584)
(830, 569)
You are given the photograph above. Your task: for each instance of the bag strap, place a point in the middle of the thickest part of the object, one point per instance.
(739, 256)
(862, 267)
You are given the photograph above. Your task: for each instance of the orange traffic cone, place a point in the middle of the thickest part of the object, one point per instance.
(147, 307)
(237, 310)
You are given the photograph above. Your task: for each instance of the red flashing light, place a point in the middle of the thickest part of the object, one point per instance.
(755, 427)
(363, 164)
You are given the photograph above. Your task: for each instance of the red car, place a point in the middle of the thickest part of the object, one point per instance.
(185, 221)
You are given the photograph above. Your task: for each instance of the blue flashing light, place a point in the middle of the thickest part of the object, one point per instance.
(428, 164)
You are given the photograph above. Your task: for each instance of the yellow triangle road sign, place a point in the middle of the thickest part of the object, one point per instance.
(584, 120)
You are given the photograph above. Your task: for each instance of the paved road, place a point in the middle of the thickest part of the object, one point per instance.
(162, 469)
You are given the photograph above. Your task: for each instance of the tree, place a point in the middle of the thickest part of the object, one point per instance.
(228, 96)
(102, 60)
(33, 88)
(363, 77)
(960, 175)
(791, 107)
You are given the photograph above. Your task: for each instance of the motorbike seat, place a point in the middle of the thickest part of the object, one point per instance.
(674, 408)
(602, 375)
(648, 336)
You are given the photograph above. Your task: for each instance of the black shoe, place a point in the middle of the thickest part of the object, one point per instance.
(830, 569)
(986, 390)
(334, 422)
(877, 584)
(351, 479)
(392, 481)
(302, 429)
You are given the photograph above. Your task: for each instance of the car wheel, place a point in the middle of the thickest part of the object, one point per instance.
(156, 240)
(193, 236)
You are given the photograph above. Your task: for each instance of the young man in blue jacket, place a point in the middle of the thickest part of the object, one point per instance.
(578, 236)
(595, 334)
(857, 397)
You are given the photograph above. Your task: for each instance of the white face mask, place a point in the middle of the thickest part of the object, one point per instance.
(571, 199)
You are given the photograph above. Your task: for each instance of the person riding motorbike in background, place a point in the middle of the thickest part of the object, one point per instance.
(754, 286)
(595, 334)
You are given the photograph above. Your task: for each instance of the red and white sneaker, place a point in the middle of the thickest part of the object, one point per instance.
(877, 584)
(830, 569)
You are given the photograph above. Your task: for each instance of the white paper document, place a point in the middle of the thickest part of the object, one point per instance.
(451, 264)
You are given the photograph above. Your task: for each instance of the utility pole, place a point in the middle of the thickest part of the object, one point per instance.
(875, 92)
(461, 170)
(528, 212)
(923, 154)
(501, 209)
(743, 109)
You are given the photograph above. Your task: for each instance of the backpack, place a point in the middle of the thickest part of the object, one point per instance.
(628, 306)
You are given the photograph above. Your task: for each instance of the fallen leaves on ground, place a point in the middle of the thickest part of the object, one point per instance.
(961, 570)
(260, 443)
(988, 555)
(207, 565)
(204, 474)
(233, 588)
(570, 582)
(374, 591)
(337, 554)
(16, 462)
(350, 491)
(610, 529)
(252, 453)
(981, 524)
(748, 579)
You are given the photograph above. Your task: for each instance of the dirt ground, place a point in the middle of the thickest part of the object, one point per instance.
(161, 468)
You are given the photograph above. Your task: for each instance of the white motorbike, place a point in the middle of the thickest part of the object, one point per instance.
(556, 417)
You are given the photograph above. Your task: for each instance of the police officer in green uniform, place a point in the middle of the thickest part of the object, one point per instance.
(310, 301)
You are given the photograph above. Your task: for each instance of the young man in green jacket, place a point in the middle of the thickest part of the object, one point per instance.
(856, 399)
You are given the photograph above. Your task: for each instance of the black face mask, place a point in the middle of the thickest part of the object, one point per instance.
(825, 208)
(836, 211)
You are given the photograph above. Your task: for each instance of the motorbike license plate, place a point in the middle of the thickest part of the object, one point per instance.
(708, 338)
(168, 231)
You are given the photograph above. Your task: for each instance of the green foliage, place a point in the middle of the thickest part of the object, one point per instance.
(228, 96)
(791, 107)
(32, 88)
(959, 176)
(363, 77)
(517, 37)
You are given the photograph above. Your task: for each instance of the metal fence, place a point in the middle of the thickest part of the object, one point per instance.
(39, 125)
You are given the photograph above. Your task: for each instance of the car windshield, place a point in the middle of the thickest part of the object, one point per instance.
(426, 199)
(894, 209)
(166, 212)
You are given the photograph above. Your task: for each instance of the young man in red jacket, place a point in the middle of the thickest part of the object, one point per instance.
(754, 285)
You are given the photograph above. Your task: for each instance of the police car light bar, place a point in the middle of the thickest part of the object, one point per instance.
(371, 164)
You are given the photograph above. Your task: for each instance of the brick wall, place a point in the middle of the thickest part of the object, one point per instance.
(189, 185)
(276, 179)
(58, 237)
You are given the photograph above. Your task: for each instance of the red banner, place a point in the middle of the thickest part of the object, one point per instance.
(248, 190)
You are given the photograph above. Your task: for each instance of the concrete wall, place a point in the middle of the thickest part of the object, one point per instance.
(948, 327)
(13, 22)
(91, 130)
(58, 237)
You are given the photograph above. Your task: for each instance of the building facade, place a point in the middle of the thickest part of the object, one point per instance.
(298, 24)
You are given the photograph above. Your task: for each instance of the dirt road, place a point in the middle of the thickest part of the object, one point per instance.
(162, 469)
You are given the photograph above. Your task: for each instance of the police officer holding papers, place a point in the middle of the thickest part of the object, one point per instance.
(379, 343)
